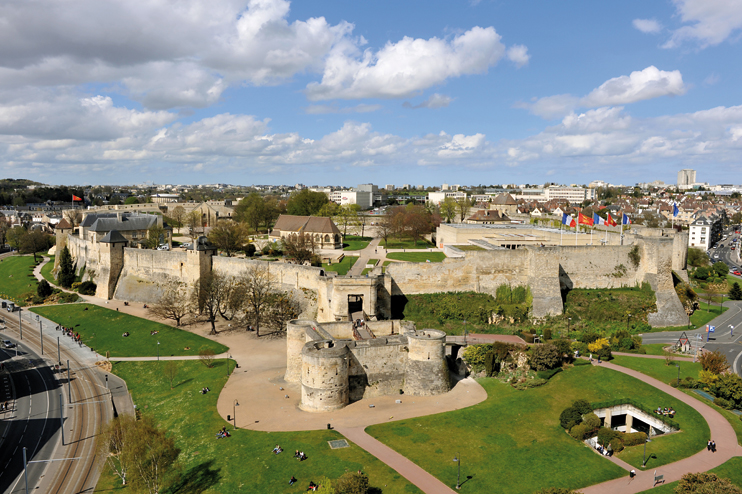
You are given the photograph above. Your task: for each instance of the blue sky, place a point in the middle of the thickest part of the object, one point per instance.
(337, 92)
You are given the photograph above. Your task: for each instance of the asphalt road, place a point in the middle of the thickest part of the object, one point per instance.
(726, 254)
(34, 418)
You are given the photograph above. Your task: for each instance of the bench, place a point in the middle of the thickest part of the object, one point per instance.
(659, 479)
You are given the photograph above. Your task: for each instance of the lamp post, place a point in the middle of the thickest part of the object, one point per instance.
(158, 351)
(20, 326)
(234, 412)
(41, 334)
(628, 316)
(676, 365)
(569, 326)
(457, 459)
(644, 461)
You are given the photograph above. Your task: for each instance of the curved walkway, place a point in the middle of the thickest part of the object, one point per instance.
(721, 432)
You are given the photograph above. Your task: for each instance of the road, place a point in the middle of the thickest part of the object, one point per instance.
(726, 254)
(58, 468)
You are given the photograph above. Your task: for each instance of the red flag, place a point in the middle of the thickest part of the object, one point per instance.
(75, 198)
(584, 220)
(609, 221)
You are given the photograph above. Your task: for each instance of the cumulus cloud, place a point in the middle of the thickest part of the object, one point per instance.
(638, 86)
(406, 67)
(649, 26)
(708, 22)
(518, 54)
(434, 101)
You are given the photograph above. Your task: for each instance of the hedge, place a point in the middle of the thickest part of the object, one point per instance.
(636, 404)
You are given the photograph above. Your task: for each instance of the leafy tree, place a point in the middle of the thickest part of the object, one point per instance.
(155, 237)
(448, 208)
(15, 235)
(735, 293)
(697, 258)
(721, 269)
(582, 406)
(729, 387)
(44, 289)
(228, 236)
(251, 210)
(329, 210)
(306, 203)
(545, 357)
(347, 216)
(66, 275)
(705, 483)
(206, 356)
(113, 441)
(131, 200)
(178, 215)
(250, 249)
(151, 454)
(714, 362)
(701, 273)
(35, 242)
(463, 205)
(351, 483)
(569, 418)
(417, 222)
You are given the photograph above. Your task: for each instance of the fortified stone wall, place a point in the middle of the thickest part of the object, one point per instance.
(377, 367)
(596, 267)
(146, 273)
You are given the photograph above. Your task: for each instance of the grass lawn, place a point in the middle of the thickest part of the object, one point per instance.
(657, 369)
(655, 349)
(610, 305)
(513, 443)
(406, 244)
(101, 329)
(417, 256)
(370, 261)
(46, 271)
(343, 266)
(731, 470)
(243, 462)
(469, 247)
(16, 278)
(355, 242)
(703, 316)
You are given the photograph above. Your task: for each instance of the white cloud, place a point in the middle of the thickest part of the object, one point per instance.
(404, 68)
(518, 54)
(325, 109)
(711, 79)
(649, 26)
(434, 101)
(708, 22)
(638, 86)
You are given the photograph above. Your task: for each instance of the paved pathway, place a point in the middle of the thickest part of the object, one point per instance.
(721, 432)
(370, 252)
(406, 468)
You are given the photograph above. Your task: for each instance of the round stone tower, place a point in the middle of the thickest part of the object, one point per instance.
(324, 376)
(296, 338)
(426, 372)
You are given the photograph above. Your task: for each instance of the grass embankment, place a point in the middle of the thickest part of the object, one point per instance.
(406, 244)
(101, 329)
(355, 242)
(417, 256)
(610, 306)
(46, 271)
(446, 311)
(17, 281)
(513, 443)
(659, 370)
(243, 462)
(469, 247)
(731, 470)
(368, 270)
(341, 267)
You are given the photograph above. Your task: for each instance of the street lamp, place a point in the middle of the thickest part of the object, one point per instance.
(628, 316)
(644, 462)
(234, 412)
(569, 326)
(20, 326)
(457, 459)
(158, 351)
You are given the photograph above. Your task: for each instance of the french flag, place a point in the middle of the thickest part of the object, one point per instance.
(597, 220)
(625, 220)
(568, 220)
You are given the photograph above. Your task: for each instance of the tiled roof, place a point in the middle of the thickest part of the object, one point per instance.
(305, 224)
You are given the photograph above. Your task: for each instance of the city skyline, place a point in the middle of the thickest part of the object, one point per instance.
(273, 92)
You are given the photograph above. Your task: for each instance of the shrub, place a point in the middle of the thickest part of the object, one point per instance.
(528, 337)
(250, 250)
(726, 404)
(674, 383)
(605, 435)
(44, 289)
(563, 345)
(87, 288)
(76, 285)
(714, 362)
(547, 334)
(605, 353)
(529, 383)
(351, 483)
(475, 354)
(634, 438)
(582, 406)
(544, 357)
(626, 344)
(598, 345)
(591, 421)
(569, 418)
(579, 431)
(616, 445)
(699, 483)
(68, 298)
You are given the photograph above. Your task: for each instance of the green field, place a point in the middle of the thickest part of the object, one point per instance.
(355, 242)
(610, 305)
(243, 462)
(657, 369)
(417, 256)
(17, 281)
(406, 244)
(368, 270)
(731, 470)
(703, 316)
(341, 267)
(469, 247)
(46, 271)
(512, 442)
(101, 329)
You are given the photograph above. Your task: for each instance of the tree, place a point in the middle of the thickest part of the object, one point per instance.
(720, 269)
(113, 441)
(209, 293)
(131, 200)
(735, 293)
(463, 207)
(417, 222)
(714, 362)
(66, 275)
(347, 216)
(448, 208)
(151, 453)
(251, 211)
(193, 223)
(228, 236)
(3, 232)
(298, 248)
(697, 258)
(35, 242)
(206, 356)
(155, 237)
(306, 203)
(259, 284)
(44, 289)
(74, 216)
(711, 295)
(178, 215)
(705, 483)
(173, 304)
(15, 235)
(351, 483)
(385, 226)
(545, 357)
(171, 371)
(329, 210)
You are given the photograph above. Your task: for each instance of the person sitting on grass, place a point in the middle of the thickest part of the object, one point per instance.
(277, 449)
(302, 456)
(312, 486)
(296, 454)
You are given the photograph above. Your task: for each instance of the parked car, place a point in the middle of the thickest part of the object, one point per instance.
(163, 247)
(737, 273)
(8, 344)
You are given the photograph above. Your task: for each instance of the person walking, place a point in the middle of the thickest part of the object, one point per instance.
(632, 473)
(708, 446)
(713, 446)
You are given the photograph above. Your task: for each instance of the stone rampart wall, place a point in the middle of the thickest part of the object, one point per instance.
(146, 273)
(377, 367)
(597, 267)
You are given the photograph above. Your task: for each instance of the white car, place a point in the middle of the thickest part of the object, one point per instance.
(716, 256)
(8, 344)
(163, 247)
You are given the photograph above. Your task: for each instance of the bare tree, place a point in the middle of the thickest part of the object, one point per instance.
(74, 216)
(178, 215)
(206, 356)
(385, 227)
(259, 285)
(347, 216)
(463, 206)
(151, 454)
(171, 371)
(113, 441)
(173, 304)
(213, 295)
(193, 223)
(299, 248)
